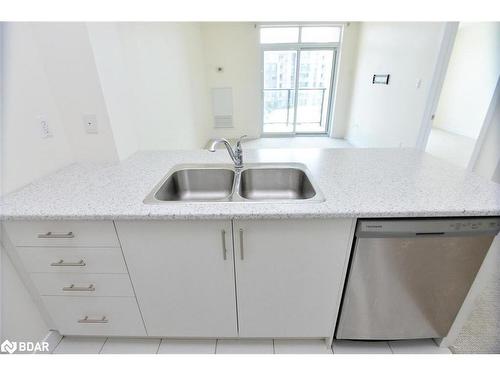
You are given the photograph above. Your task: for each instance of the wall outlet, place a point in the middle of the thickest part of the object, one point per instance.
(44, 127)
(90, 124)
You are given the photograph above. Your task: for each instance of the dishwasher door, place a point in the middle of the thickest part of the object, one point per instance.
(409, 278)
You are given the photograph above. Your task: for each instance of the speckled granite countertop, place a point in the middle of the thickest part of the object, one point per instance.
(355, 183)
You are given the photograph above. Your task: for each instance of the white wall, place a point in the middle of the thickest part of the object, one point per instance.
(471, 77)
(345, 80)
(488, 161)
(235, 47)
(70, 67)
(391, 115)
(1, 153)
(117, 86)
(164, 62)
(26, 95)
(26, 156)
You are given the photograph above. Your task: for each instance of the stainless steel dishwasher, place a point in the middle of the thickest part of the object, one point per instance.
(409, 278)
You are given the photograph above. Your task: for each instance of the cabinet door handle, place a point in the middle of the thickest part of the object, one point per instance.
(224, 249)
(56, 235)
(62, 263)
(87, 320)
(241, 245)
(73, 288)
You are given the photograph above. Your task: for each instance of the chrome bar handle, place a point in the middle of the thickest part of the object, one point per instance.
(56, 235)
(87, 320)
(224, 249)
(241, 245)
(61, 263)
(73, 288)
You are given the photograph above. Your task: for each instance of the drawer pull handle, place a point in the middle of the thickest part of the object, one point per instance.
(61, 263)
(56, 235)
(87, 320)
(73, 288)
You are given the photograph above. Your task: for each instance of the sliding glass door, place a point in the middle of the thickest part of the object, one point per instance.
(313, 91)
(280, 73)
(297, 90)
(298, 65)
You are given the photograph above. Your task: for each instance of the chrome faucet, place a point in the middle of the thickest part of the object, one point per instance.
(236, 154)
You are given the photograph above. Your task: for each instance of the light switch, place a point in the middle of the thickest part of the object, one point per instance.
(90, 124)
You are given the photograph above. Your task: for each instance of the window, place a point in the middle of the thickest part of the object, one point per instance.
(298, 68)
(279, 35)
(320, 35)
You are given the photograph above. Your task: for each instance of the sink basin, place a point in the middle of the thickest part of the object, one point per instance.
(195, 184)
(254, 183)
(275, 184)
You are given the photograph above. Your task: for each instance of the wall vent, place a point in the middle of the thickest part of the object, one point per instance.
(223, 121)
(222, 107)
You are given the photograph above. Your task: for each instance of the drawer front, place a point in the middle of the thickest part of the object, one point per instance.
(90, 285)
(74, 260)
(62, 233)
(96, 316)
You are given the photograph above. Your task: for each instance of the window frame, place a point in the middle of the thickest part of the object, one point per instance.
(298, 46)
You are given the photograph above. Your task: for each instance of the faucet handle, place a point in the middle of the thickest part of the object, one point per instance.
(238, 142)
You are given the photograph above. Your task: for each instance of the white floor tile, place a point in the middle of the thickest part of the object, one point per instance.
(245, 346)
(187, 346)
(282, 346)
(454, 148)
(119, 345)
(80, 345)
(361, 347)
(426, 346)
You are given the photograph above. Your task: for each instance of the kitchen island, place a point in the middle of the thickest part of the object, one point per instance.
(354, 182)
(101, 262)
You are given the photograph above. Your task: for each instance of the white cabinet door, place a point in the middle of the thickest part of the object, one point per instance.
(289, 275)
(183, 278)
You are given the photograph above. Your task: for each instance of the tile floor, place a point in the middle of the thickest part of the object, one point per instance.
(103, 345)
(454, 148)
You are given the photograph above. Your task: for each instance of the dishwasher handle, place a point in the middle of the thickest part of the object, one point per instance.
(430, 234)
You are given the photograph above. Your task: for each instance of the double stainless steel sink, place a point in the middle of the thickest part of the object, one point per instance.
(260, 182)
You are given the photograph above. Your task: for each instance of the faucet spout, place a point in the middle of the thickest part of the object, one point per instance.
(236, 155)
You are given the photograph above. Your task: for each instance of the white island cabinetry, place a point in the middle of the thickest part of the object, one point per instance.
(282, 278)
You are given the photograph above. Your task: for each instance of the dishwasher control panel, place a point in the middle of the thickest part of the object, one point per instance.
(418, 227)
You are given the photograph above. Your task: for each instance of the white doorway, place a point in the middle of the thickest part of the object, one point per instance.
(467, 93)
